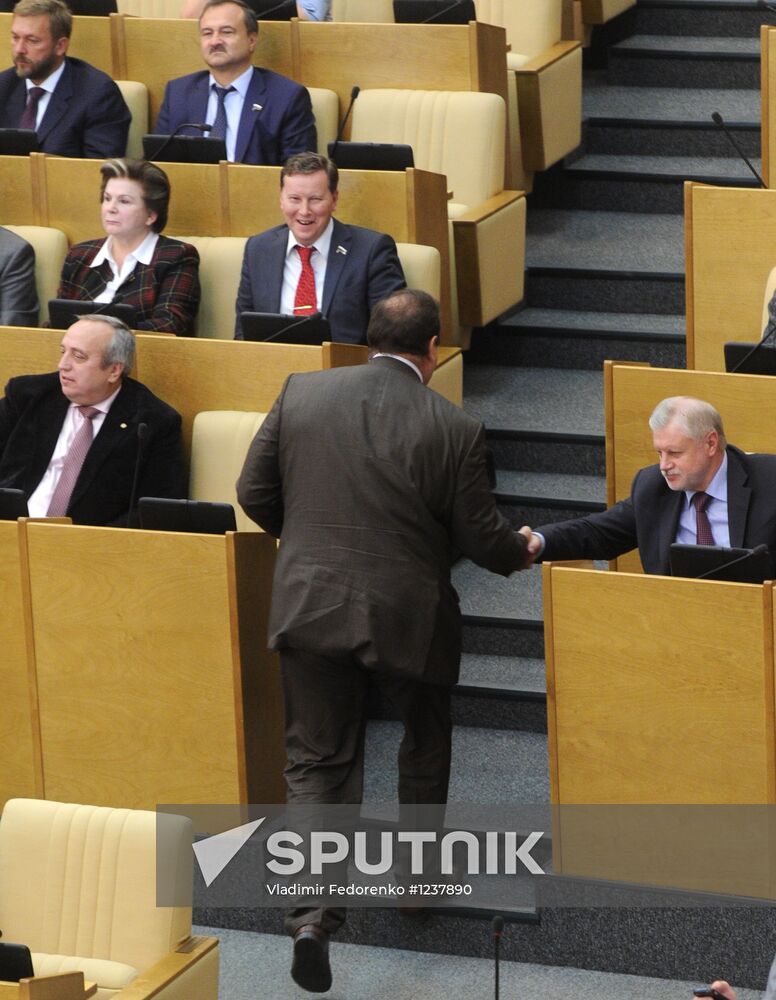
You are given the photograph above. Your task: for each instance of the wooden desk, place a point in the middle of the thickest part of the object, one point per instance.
(67, 986)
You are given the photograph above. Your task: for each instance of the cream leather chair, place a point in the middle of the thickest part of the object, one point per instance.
(461, 135)
(363, 11)
(78, 887)
(220, 262)
(326, 110)
(421, 266)
(549, 76)
(50, 246)
(136, 96)
(219, 443)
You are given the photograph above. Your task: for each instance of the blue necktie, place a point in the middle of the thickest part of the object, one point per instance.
(218, 131)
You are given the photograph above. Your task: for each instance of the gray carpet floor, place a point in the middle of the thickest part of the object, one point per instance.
(256, 967)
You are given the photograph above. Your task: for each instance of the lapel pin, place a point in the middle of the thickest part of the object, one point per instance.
(123, 426)
(256, 107)
(342, 250)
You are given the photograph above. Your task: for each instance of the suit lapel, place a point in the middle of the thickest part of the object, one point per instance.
(250, 119)
(58, 103)
(276, 263)
(50, 416)
(338, 255)
(739, 497)
(198, 97)
(668, 524)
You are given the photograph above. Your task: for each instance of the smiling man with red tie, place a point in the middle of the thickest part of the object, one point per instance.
(314, 263)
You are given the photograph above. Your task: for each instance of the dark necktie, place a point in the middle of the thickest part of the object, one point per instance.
(218, 131)
(74, 460)
(700, 502)
(305, 300)
(30, 113)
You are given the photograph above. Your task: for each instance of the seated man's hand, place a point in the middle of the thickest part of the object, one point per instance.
(534, 544)
(724, 989)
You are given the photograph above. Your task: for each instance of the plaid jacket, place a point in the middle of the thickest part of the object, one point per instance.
(164, 294)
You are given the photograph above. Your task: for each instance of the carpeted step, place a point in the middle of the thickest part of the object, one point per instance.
(709, 18)
(686, 61)
(563, 338)
(645, 184)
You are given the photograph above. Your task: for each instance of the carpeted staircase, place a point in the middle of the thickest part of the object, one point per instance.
(605, 280)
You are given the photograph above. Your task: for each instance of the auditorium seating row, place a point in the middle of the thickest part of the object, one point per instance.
(220, 260)
(208, 628)
(337, 56)
(481, 249)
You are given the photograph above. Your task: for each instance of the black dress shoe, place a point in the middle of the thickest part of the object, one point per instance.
(311, 969)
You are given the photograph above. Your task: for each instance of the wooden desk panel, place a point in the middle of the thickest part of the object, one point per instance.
(637, 665)
(19, 204)
(194, 375)
(730, 236)
(27, 351)
(153, 677)
(20, 774)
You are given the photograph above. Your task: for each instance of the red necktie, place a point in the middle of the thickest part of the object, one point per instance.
(700, 502)
(305, 301)
(74, 459)
(30, 113)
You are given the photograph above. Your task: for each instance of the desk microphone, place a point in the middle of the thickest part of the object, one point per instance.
(142, 437)
(353, 95)
(718, 120)
(711, 573)
(767, 6)
(204, 127)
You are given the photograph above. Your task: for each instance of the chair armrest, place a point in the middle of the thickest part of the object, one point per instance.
(487, 208)
(552, 55)
(153, 981)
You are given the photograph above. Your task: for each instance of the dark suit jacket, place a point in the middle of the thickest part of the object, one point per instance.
(86, 115)
(372, 481)
(285, 124)
(164, 294)
(31, 417)
(368, 270)
(18, 296)
(649, 518)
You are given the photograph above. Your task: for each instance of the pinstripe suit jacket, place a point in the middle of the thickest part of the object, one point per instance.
(164, 294)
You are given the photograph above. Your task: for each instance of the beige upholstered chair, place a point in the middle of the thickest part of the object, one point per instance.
(461, 135)
(78, 887)
(136, 96)
(363, 11)
(326, 110)
(50, 246)
(220, 262)
(421, 266)
(219, 444)
(549, 76)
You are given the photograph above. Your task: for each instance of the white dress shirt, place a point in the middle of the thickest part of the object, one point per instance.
(49, 85)
(233, 106)
(40, 500)
(293, 269)
(140, 255)
(716, 511)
